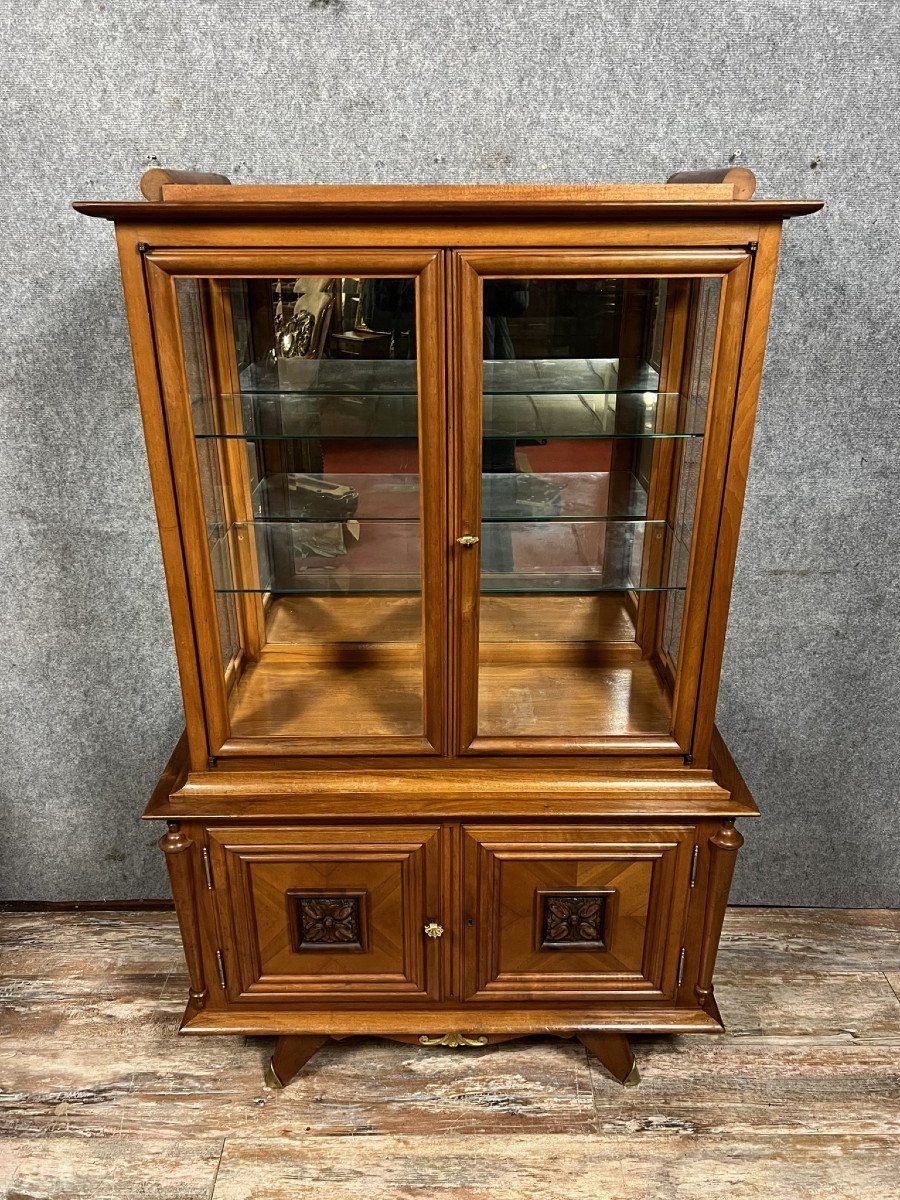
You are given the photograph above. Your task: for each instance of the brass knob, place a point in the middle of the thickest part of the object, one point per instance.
(468, 539)
(433, 930)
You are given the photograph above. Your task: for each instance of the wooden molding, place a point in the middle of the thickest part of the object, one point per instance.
(156, 181)
(520, 1021)
(741, 180)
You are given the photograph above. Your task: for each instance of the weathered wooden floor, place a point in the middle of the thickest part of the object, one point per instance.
(801, 1098)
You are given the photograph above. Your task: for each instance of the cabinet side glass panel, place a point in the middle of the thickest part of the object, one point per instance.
(592, 439)
(304, 399)
(199, 386)
(698, 374)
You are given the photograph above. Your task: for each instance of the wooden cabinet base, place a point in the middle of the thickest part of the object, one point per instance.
(612, 1050)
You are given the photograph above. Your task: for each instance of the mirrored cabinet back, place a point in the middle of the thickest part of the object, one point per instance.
(449, 482)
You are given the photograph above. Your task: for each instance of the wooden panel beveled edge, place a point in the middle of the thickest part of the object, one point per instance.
(375, 796)
(642, 1018)
(301, 809)
(466, 454)
(726, 771)
(402, 744)
(756, 328)
(432, 446)
(631, 744)
(156, 436)
(700, 595)
(542, 262)
(174, 774)
(192, 520)
(468, 784)
(252, 262)
(292, 234)
(524, 212)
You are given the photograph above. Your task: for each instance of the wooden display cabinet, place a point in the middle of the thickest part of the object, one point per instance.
(448, 484)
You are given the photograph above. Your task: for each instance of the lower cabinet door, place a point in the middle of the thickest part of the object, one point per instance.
(328, 913)
(570, 913)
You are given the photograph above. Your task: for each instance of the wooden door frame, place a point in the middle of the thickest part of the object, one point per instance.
(486, 847)
(233, 848)
(706, 594)
(198, 625)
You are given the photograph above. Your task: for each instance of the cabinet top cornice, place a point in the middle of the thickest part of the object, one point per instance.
(193, 202)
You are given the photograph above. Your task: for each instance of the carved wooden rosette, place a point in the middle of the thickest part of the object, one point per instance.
(723, 848)
(176, 846)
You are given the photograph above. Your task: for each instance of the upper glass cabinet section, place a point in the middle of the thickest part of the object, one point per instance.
(304, 405)
(408, 529)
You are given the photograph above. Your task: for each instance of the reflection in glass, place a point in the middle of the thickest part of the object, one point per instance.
(304, 401)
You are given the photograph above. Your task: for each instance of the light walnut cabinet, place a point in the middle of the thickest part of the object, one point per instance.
(449, 483)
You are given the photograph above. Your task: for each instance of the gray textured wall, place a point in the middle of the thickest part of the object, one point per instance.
(421, 91)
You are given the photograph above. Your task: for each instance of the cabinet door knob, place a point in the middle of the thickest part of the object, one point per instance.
(468, 539)
(433, 930)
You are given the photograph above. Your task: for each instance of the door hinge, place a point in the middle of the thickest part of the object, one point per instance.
(207, 870)
(220, 967)
(694, 860)
(680, 968)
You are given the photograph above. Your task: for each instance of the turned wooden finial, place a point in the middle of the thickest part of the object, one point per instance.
(741, 178)
(154, 180)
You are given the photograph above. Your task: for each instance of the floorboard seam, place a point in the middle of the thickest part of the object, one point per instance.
(891, 986)
(212, 1190)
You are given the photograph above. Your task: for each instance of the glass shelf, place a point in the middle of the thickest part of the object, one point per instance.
(360, 556)
(392, 377)
(300, 497)
(553, 376)
(566, 416)
(285, 416)
(583, 556)
(532, 496)
(524, 496)
(280, 416)
(333, 377)
(318, 557)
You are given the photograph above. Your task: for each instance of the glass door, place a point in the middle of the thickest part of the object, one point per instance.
(305, 402)
(587, 388)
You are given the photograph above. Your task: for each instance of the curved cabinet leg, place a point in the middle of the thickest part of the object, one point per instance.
(615, 1053)
(290, 1056)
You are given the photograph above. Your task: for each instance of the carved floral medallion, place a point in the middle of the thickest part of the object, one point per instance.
(328, 922)
(573, 921)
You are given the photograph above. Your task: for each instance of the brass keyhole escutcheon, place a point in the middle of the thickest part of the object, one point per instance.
(468, 540)
(433, 930)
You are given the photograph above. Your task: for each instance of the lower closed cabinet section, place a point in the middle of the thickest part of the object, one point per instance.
(326, 914)
(574, 914)
(393, 914)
